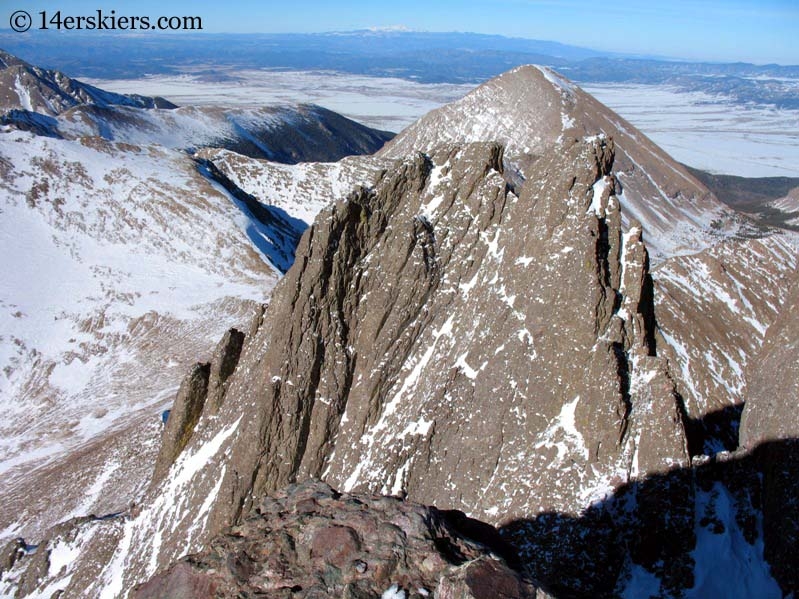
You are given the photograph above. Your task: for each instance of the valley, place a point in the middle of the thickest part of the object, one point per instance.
(521, 309)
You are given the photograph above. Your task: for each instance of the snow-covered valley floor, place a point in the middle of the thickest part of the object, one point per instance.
(705, 131)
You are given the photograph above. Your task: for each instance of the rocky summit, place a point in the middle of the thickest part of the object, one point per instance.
(478, 325)
(310, 541)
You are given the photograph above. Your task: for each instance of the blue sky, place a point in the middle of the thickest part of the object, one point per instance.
(720, 30)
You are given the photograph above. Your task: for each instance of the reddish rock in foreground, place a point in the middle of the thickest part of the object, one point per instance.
(310, 541)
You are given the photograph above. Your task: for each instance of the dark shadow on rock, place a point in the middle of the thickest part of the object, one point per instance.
(653, 523)
(714, 432)
(484, 534)
(34, 122)
(272, 230)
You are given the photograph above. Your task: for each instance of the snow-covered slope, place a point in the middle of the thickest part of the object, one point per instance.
(122, 266)
(285, 133)
(302, 190)
(532, 109)
(26, 87)
(50, 103)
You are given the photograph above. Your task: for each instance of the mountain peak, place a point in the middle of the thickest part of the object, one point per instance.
(9, 60)
(531, 110)
(534, 73)
(33, 89)
(526, 109)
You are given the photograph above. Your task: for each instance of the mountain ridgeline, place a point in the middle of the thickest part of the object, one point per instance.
(476, 326)
(126, 258)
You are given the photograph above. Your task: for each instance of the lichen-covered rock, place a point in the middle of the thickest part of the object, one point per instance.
(310, 541)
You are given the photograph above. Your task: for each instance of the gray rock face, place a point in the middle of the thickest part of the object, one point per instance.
(416, 307)
(11, 553)
(204, 385)
(442, 338)
(773, 379)
(309, 541)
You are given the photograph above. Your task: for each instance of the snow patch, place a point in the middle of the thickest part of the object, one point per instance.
(642, 583)
(524, 260)
(726, 565)
(24, 94)
(393, 592)
(559, 82)
(61, 557)
(564, 426)
(465, 368)
(598, 188)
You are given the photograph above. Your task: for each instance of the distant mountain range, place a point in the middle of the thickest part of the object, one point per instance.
(419, 56)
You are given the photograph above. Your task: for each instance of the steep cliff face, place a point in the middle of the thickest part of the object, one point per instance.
(476, 328)
(773, 378)
(441, 325)
(531, 109)
(444, 339)
(770, 425)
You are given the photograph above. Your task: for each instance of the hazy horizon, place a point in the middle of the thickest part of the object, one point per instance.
(715, 30)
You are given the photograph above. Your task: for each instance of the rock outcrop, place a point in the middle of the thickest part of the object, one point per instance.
(531, 110)
(475, 329)
(183, 417)
(226, 357)
(410, 313)
(310, 541)
(770, 426)
(204, 385)
(442, 338)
